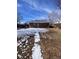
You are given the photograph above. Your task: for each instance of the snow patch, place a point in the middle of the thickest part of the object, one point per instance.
(36, 50)
(37, 37)
(23, 32)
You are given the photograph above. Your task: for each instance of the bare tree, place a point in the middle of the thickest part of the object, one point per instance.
(19, 18)
(54, 17)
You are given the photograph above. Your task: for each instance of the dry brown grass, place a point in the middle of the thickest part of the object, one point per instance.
(51, 44)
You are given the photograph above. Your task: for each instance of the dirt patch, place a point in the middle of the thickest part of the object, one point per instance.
(24, 49)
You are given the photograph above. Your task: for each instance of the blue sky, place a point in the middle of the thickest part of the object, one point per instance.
(36, 9)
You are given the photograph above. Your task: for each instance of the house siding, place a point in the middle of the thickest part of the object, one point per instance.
(39, 25)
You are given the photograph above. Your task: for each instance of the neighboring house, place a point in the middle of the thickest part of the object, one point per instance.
(39, 24)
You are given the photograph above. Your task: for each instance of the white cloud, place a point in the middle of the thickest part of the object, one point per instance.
(31, 3)
(47, 10)
(35, 5)
(19, 5)
(41, 17)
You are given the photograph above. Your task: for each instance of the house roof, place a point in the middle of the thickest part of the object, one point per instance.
(40, 21)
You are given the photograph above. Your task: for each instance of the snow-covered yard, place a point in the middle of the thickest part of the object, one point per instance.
(36, 50)
(22, 32)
